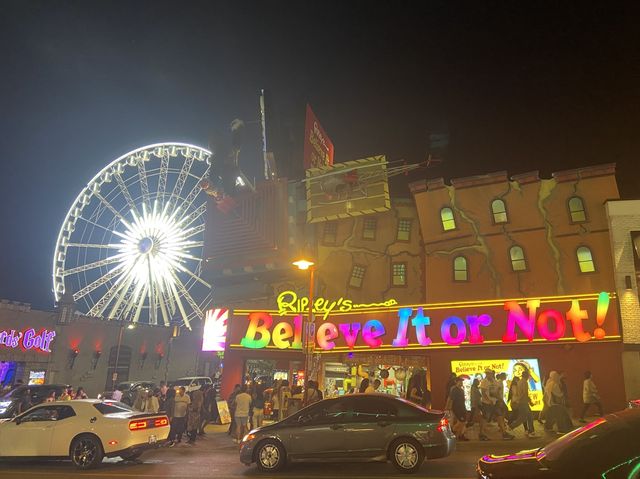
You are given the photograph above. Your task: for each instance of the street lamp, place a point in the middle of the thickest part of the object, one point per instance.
(307, 341)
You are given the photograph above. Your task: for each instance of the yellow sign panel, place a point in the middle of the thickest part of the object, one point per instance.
(348, 189)
(474, 369)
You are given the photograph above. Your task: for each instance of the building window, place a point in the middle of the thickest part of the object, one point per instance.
(404, 230)
(585, 260)
(576, 210)
(357, 275)
(518, 261)
(330, 232)
(399, 274)
(499, 210)
(448, 221)
(460, 272)
(369, 228)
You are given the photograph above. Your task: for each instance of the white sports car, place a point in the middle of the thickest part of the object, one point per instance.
(83, 430)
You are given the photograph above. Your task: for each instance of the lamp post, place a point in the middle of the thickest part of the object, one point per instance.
(307, 341)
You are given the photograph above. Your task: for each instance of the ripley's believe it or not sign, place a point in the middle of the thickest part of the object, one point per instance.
(344, 325)
(27, 340)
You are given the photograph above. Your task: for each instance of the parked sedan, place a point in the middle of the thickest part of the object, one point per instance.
(84, 430)
(607, 448)
(357, 428)
(12, 402)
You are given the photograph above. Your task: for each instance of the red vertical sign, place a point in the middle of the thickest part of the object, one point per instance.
(318, 148)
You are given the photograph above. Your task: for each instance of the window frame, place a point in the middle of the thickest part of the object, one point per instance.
(584, 210)
(364, 272)
(524, 258)
(333, 225)
(453, 218)
(373, 230)
(593, 261)
(505, 212)
(406, 267)
(408, 220)
(466, 269)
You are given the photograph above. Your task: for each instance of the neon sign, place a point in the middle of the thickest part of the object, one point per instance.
(416, 327)
(214, 335)
(289, 302)
(28, 340)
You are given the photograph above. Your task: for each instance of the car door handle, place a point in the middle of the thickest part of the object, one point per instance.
(336, 426)
(93, 419)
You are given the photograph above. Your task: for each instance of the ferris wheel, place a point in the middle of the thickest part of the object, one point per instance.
(130, 247)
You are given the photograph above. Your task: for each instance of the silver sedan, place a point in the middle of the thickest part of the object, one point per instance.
(356, 428)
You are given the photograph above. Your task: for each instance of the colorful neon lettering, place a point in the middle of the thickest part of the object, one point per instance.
(28, 339)
(350, 332)
(601, 314)
(371, 333)
(281, 333)
(259, 323)
(401, 340)
(326, 333)
(516, 317)
(475, 336)
(461, 330)
(419, 322)
(576, 316)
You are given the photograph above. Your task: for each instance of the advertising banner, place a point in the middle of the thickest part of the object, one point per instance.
(474, 369)
(318, 148)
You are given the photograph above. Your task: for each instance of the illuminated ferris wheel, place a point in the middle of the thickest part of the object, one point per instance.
(130, 247)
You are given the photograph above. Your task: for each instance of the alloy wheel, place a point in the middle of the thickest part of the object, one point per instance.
(406, 455)
(85, 452)
(269, 456)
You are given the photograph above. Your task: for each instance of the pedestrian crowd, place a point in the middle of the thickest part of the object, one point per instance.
(488, 404)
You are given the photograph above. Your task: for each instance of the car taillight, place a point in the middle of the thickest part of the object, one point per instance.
(444, 424)
(161, 422)
(137, 425)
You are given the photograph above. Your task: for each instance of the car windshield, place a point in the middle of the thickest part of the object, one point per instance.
(590, 432)
(112, 407)
(182, 382)
(17, 392)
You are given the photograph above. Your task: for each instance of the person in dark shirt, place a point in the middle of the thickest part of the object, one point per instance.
(459, 409)
(25, 403)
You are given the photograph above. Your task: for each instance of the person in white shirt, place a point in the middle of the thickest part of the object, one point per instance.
(590, 396)
(243, 405)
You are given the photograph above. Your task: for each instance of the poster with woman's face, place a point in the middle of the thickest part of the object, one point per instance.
(472, 369)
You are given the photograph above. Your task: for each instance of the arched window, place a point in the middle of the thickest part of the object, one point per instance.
(499, 210)
(576, 210)
(460, 272)
(585, 260)
(448, 221)
(518, 261)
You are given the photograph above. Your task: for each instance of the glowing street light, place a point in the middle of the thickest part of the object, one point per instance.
(303, 264)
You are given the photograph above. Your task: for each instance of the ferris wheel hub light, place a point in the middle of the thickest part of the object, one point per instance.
(145, 245)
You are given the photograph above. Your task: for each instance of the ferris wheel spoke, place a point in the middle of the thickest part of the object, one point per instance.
(99, 282)
(164, 170)
(152, 293)
(139, 306)
(163, 311)
(144, 184)
(190, 218)
(186, 204)
(110, 207)
(176, 295)
(97, 309)
(125, 192)
(197, 278)
(187, 296)
(182, 178)
(93, 245)
(98, 225)
(125, 293)
(194, 231)
(97, 264)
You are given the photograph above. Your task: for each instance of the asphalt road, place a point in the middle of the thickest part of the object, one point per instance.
(216, 456)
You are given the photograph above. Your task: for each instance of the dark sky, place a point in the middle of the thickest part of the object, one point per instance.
(548, 88)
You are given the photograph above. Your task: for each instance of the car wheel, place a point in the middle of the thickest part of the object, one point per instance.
(86, 452)
(406, 455)
(270, 456)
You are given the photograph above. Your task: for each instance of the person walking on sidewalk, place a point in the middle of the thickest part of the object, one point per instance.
(521, 405)
(243, 404)
(492, 402)
(258, 405)
(193, 418)
(590, 396)
(180, 410)
(476, 409)
(458, 409)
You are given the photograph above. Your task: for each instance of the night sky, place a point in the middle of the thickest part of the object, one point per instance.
(81, 83)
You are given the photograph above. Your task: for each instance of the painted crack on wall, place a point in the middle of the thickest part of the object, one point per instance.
(515, 186)
(481, 245)
(544, 193)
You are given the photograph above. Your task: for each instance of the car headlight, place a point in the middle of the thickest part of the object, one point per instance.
(249, 437)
